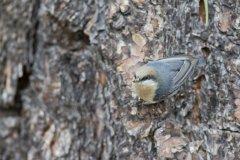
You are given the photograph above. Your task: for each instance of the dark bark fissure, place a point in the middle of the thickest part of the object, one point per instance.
(32, 38)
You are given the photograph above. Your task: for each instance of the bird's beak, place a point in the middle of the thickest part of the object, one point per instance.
(135, 80)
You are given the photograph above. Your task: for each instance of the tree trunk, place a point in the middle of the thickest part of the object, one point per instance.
(65, 84)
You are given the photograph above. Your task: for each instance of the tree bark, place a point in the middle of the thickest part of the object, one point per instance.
(65, 84)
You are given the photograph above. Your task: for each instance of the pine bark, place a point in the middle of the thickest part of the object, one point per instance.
(65, 91)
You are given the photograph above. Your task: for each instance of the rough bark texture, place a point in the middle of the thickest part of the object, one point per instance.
(64, 93)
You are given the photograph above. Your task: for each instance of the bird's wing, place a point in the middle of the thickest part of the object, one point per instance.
(182, 67)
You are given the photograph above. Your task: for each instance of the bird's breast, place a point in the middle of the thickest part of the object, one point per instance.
(145, 92)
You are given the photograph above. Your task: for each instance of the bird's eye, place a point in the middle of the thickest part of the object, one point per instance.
(148, 77)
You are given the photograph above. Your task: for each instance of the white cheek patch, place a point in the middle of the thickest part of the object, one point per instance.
(149, 82)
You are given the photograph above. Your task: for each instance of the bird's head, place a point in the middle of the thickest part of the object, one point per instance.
(145, 83)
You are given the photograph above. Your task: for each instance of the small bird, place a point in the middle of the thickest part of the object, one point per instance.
(157, 80)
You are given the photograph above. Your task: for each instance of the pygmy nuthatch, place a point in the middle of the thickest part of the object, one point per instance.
(157, 80)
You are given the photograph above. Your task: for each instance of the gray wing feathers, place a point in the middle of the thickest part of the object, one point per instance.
(173, 72)
(183, 67)
(183, 73)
